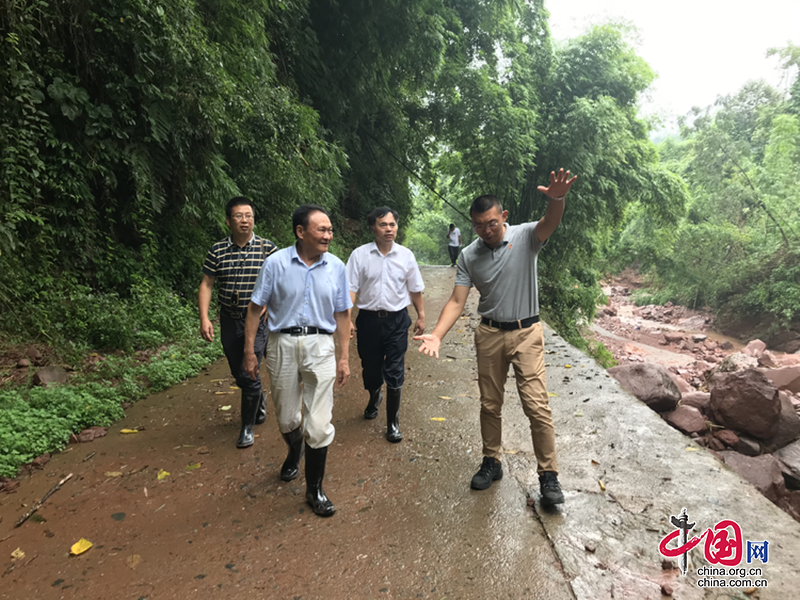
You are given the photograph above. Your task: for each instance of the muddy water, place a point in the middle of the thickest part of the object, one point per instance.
(407, 524)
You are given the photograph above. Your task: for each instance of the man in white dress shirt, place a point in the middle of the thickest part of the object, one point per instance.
(384, 279)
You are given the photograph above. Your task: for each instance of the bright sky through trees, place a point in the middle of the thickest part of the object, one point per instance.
(700, 49)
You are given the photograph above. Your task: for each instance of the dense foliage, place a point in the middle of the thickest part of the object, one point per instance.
(737, 249)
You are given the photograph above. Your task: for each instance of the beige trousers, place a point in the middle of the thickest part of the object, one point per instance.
(524, 349)
(302, 371)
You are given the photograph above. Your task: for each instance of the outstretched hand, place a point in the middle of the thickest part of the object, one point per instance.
(559, 184)
(430, 344)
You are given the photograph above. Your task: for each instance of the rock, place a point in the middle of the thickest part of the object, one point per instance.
(90, 434)
(789, 457)
(650, 383)
(40, 461)
(748, 446)
(786, 378)
(787, 360)
(683, 385)
(610, 311)
(699, 337)
(33, 353)
(667, 589)
(47, 376)
(736, 362)
(764, 472)
(767, 360)
(696, 322)
(788, 425)
(9, 486)
(726, 345)
(754, 348)
(674, 338)
(714, 443)
(727, 437)
(687, 419)
(786, 341)
(696, 399)
(23, 363)
(790, 503)
(745, 401)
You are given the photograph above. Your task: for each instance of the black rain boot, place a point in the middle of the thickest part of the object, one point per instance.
(375, 399)
(315, 473)
(249, 407)
(291, 466)
(261, 414)
(393, 433)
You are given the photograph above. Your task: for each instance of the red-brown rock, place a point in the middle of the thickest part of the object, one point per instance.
(699, 400)
(727, 437)
(745, 401)
(687, 419)
(764, 472)
(90, 434)
(650, 383)
(786, 378)
(755, 348)
(40, 461)
(788, 425)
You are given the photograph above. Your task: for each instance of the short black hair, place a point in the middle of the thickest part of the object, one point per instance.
(481, 204)
(379, 212)
(238, 201)
(452, 225)
(302, 213)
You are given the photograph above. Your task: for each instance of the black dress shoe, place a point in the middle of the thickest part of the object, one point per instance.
(393, 433)
(261, 413)
(491, 470)
(291, 466)
(315, 473)
(550, 489)
(375, 399)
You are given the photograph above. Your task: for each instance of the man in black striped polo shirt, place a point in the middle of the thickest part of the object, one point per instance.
(236, 262)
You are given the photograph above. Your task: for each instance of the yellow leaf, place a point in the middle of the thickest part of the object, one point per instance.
(162, 474)
(690, 449)
(17, 554)
(133, 560)
(578, 413)
(193, 466)
(113, 473)
(81, 546)
(129, 431)
(511, 451)
(458, 331)
(437, 418)
(234, 387)
(445, 398)
(462, 395)
(216, 380)
(552, 395)
(222, 393)
(602, 485)
(567, 366)
(226, 407)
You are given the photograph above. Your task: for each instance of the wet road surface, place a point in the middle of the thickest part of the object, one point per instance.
(407, 524)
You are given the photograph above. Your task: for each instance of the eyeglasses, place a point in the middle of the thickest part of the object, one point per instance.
(484, 226)
(241, 217)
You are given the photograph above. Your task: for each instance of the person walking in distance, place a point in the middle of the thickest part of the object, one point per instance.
(235, 262)
(304, 288)
(501, 264)
(453, 243)
(384, 279)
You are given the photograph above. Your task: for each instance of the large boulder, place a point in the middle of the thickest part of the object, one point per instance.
(788, 425)
(786, 378)
(650, 383)
(755, 348)
(47, 376)
(789, 457)
(737, 361)
(745, 401)
(687, 419)
(764, 472)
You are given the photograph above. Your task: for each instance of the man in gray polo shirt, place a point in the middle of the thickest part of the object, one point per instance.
(501, 264)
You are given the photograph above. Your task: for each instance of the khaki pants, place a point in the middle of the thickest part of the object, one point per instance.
(524, 349)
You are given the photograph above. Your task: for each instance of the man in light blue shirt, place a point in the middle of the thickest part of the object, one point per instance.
(307, 297)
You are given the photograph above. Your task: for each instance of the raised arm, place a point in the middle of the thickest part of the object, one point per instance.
(556, 191)
(449, 315)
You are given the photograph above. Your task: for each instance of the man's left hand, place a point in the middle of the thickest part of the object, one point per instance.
(342, 372)
(419, 326)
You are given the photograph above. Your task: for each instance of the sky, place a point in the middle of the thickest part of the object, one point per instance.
(699, 49)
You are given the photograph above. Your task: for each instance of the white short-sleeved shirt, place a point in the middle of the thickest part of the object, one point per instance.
(383, 282)
(454, 235)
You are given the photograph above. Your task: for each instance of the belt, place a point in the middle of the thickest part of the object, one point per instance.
(305, 331)
(233, 314)
(523, 324)
(381, 314)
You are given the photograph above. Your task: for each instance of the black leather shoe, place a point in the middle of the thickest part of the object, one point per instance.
(375, 399)
(291, 466)
(315, 473)
(261, 413)
(550, 489)
(491, 470)
(249, 407)
(393, 433)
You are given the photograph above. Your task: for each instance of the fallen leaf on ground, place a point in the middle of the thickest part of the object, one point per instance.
(129, 431)
(193, 466)
(17, 554)
(567, 366)
(235, 387)
(222, 393)
(447, 360)
(462, 395)
(602, 485)
(226, 407)
(437, 418)
(594, 462)
(113, 473)
(690, 449)
(578, 413)
(162, 474)
(81, 546)
(203, 450)
(216, 380)
(133, 560)
(145, 492)
(445, 398)
(511, 451)
(552, 395)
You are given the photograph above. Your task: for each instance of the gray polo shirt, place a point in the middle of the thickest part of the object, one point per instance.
(504, 276)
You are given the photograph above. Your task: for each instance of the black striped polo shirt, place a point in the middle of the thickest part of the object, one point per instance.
(237, 268)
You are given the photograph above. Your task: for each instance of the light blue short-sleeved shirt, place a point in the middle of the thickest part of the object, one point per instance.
(297, 295)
